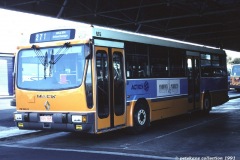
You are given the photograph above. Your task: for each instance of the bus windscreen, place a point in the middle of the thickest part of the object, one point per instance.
(51, 68)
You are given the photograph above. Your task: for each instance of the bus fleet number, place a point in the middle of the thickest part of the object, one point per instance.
(98, 34)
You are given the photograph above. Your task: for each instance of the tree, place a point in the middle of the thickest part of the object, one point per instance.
(229, 59)
(236, 61)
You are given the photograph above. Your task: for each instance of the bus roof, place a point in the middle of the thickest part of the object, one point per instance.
(115, 34)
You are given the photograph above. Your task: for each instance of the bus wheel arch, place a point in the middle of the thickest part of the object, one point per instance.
(207, 105)
(141, 116)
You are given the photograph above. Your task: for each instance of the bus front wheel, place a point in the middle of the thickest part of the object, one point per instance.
(206, 104)
(141, 118)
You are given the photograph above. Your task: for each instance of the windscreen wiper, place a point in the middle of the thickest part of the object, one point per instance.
(56, 57)
(43, 59)
(39, 54)
(53, 59)
(45, 64)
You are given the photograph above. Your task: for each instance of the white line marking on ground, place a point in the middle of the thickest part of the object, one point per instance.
(90, 151)
(177, 131)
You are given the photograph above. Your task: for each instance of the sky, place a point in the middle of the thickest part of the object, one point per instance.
(16, 26)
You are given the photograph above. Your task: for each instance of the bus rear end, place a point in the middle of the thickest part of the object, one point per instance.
(54, 86)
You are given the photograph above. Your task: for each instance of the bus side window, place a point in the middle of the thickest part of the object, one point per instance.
(134, 72)
(206, 72)
(158, 71)
(218, 72)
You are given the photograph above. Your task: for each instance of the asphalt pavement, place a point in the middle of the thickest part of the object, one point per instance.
(7, 125)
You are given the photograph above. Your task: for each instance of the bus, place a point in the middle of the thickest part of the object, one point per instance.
(94, 79)
(235, 77)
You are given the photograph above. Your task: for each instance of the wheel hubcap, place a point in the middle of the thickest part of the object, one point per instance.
(142, 117)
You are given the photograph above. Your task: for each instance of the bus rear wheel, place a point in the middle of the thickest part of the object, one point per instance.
(141, 118)
(206, 105)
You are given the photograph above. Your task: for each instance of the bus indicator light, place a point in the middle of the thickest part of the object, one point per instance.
(20, 125)
(84, 118)
(78, 127)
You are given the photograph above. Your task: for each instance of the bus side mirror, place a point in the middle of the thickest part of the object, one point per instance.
(88, 51)
(88, 55)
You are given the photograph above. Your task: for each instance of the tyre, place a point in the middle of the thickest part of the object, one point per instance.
(141, 118)
(207, 104)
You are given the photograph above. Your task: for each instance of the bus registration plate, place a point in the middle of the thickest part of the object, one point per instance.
(46, 118)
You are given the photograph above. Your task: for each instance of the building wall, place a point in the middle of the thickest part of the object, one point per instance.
(6, 73)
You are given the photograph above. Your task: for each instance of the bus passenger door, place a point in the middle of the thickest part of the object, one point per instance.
(193, 79)
(110, 89)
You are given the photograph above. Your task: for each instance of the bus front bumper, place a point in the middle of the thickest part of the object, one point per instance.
(72, 122)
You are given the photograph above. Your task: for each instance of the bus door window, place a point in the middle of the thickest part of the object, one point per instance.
(190, 80)
(197, 80)
(193, 80)
(102, 84)
(118, 83)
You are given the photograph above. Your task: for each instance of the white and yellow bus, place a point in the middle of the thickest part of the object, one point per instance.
(94, 79)
(235, 77)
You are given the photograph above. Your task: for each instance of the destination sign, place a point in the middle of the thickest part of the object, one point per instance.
(55, 35)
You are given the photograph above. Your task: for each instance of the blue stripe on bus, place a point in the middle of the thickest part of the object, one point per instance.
(156, 88)
(169, 87)
(220, 83)
(169, 98)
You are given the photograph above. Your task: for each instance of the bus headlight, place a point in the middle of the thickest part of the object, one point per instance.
(18, 117)
(79, 118)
